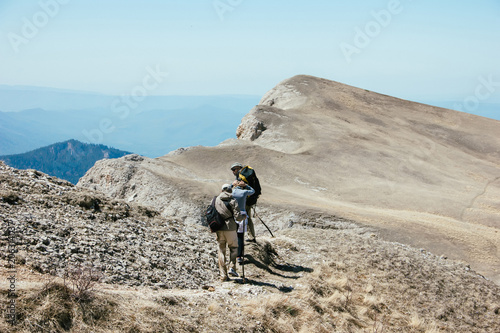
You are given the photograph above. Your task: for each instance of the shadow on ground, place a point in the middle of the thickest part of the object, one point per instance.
(282, 288)
(263, 256)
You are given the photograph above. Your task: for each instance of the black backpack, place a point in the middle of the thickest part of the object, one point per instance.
(214, 219)
(248, 175)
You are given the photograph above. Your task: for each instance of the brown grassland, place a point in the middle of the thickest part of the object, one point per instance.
(303, 280)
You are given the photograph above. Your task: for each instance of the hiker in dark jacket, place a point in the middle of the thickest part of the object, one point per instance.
(248, 175)
(226, 236)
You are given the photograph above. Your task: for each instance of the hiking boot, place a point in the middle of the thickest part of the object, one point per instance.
(239, 260)
(232, 272)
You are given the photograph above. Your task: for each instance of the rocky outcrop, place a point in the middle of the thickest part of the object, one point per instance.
(58, 226)
(287, 94)
(250, 128)
(273, 128)
(135, 178)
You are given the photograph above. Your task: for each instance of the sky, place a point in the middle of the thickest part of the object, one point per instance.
(421, 50)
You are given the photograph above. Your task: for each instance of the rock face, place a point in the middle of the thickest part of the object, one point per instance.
(423, 175)
(134, 178)
(59, 227)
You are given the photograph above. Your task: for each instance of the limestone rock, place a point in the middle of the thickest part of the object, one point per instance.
(56, 228)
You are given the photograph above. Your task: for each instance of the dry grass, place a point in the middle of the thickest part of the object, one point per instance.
(364, 286)
(54, 309)
(340, 305)
(372, 286)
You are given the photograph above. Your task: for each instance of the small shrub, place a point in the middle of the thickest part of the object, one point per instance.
(82, 281)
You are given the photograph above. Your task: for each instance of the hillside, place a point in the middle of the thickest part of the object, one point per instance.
(67, 160)
(420, 175)
(89, 263)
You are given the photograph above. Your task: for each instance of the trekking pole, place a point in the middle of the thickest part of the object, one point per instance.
(255, 214)
(243, 265)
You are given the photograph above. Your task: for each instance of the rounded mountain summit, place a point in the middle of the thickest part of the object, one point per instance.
(421, 175)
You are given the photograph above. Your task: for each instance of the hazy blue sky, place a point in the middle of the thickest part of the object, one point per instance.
(420, 49)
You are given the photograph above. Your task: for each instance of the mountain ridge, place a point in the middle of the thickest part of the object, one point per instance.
(415, 172)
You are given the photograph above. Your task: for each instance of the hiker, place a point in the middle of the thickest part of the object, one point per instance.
(226, 236)
(247, 174)
(240, 192)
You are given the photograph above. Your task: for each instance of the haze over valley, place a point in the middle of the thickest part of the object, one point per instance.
(152, 126)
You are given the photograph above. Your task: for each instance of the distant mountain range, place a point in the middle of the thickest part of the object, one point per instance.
(68, 160)
(33, 117)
